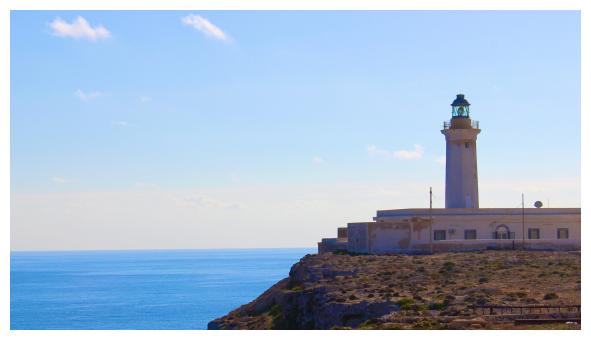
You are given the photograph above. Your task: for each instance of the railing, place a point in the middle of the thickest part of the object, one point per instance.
(528, 309)
(474, 124)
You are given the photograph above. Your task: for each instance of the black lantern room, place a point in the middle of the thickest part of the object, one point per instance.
(460, 107)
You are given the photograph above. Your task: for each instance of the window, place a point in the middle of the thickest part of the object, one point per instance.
(562, 233)
(470, 234)
(438, 235)
(502, 232)
(467, 145)
(503, 235)
(533, 233)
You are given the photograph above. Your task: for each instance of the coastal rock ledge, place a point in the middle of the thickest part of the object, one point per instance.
(349, 291)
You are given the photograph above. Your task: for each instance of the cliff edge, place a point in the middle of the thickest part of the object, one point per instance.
(336, 291)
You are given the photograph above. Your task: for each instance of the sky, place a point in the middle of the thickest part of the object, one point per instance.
(229, 129)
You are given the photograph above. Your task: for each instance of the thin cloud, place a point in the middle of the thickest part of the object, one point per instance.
(206, 27)
(145, 99)
(410, 154)
(121, 123)
(211, 203)
(79, 29)
(234, 178)
(61, 180)
(318, 159)
(440, 160)
(144, 185)
(375, 151)
(87, 96)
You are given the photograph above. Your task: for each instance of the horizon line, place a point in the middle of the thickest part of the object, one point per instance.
(153, 249)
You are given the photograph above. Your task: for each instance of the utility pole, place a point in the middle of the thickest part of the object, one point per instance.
(431, 219)
(522, 222)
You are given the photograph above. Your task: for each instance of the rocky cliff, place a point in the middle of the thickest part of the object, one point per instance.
(331, 291)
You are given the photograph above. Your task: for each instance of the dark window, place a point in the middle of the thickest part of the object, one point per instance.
(438, 235)
(470, 234)
(533, 233)
(562, 233)
(467, 145)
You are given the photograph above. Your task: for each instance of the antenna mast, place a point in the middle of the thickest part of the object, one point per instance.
(522, 222)
(431, 219)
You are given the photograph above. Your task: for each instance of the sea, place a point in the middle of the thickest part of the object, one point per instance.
(139, 289)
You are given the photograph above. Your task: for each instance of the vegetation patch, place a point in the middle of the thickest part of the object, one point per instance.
(424, 291)
(405, 303)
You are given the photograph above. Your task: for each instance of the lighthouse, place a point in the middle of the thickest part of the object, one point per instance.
(461, 174)
(462, 225)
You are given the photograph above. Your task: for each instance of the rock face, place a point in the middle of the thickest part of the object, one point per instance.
(332, 291)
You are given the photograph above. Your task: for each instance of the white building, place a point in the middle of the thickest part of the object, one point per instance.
(462, 225)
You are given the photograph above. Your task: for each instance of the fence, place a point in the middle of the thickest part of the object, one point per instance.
(529, 309)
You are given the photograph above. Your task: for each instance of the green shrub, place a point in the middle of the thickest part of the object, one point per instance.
(405, 303)
(437, 306)
(550, 296)
(275, 310)
(482, 300)
(448, 266)
(369, 324)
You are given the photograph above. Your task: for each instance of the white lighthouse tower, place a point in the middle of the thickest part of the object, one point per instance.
(461, 175)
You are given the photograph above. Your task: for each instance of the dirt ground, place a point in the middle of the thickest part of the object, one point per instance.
(435, 288)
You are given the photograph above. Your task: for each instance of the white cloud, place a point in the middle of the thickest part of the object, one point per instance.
(61, 180)
(144, 185)
(234, 178)
(318, 159)
(205, 26)
(145, 99)
(209, 202)
(410, 154)
(440, 160)
(87, 96)
(78, 29)
(418, 151)
(159, 218)
(121, 123)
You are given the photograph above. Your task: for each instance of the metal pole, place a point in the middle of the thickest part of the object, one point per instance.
(522, 221)
(431, 219)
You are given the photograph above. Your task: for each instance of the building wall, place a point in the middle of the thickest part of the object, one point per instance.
(409, 232)
(357, 233)
(328, 245)
(342, 233)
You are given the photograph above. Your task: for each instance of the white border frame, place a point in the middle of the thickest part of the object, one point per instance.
(7, 5)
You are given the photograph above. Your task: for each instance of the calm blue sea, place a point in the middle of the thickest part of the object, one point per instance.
(151, 289)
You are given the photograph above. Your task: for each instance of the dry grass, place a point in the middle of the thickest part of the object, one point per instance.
(434, 290)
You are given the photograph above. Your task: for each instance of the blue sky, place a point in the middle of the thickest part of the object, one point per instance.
(303, 103)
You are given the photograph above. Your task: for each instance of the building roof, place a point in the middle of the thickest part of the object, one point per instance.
(460, 101)
(477, 212)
